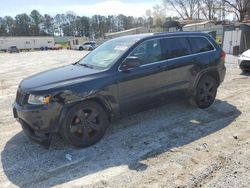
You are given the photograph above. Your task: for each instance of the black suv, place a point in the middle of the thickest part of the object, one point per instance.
(120, 77)
(13, 49)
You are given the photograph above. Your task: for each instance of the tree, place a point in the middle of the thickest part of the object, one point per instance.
(159, 15)
(209, 8)
(22, 25)
(128, 22)
(58, 24)
(3, 30)
(47, 25)
(238, 7)
(36, 20)
(111, 26)
(68, 24)
(185, 8)
(10, 25)
(149, 18)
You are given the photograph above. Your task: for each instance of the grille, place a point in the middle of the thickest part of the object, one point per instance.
(21, 98)
(245, 64)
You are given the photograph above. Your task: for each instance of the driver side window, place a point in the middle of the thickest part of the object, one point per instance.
(148, 51)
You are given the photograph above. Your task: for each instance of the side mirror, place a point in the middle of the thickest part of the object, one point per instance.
(130, 63)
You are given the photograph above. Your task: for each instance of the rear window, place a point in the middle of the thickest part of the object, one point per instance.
(174, 47)
(200, 44)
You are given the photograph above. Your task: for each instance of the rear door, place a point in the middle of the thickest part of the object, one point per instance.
(203, 51)
(177, 66)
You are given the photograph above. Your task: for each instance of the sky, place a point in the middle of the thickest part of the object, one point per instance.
(80, 7)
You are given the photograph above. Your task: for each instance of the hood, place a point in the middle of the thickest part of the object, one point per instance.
(57, 77)
(246, 53)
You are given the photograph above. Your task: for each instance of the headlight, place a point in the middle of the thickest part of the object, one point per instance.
(38, 99)
(244, 56)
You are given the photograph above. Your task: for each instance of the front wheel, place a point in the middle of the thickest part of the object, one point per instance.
(205, 93)
(85, 124)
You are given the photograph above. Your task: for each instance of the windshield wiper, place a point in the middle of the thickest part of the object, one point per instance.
(86, 65)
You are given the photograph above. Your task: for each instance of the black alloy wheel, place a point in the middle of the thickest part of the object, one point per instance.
(206, 91)
(85, 125)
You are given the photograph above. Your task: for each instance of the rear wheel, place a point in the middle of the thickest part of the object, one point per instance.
(85, 124)
(81, 48)
(205, 93)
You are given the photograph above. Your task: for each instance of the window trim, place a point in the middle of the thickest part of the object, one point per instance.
(157, 62)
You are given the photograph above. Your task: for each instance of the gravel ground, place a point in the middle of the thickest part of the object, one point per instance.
(174, 145)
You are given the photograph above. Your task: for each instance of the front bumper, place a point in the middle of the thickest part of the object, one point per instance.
(38, 121)
(244, 62)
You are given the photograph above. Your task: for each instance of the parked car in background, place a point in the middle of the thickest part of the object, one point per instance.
(244, 61)
(91, 45)
(57, 47)
(123, 76)
(13, 49)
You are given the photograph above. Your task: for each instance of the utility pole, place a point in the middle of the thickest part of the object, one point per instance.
(198, 10)
(223, 10)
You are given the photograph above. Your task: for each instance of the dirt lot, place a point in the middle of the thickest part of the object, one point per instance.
(175, 145)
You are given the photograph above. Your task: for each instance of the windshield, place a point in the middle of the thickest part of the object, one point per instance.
(106, 55)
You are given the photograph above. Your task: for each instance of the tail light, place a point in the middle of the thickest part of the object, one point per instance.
(222, 55)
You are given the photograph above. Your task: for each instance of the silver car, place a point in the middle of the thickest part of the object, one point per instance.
(244, 61)
(91, 45)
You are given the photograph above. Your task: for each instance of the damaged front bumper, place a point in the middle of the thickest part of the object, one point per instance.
(38, 122)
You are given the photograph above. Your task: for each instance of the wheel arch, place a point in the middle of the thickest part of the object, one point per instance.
(213, 72)
(104, 105)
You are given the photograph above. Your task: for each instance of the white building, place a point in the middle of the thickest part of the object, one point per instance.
(198, 26)
(26, 43)
(132, 31)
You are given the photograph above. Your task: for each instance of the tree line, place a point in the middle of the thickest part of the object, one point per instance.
(68, 24)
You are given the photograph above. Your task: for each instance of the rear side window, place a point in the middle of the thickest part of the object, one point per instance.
(174, 47)
(200, 44)
(148, 52)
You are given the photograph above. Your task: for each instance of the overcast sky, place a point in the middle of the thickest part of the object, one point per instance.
(80, 7)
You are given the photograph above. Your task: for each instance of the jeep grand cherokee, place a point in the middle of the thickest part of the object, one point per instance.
(121, 76)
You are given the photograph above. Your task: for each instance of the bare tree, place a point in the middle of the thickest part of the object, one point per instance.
(209, 8)
(238, 7)
(159, 15)
(185, 8)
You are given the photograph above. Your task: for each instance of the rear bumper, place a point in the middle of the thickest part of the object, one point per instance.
(222, 73)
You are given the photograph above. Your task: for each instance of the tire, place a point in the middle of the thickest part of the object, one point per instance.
(81, 48)
(90, 49)
(205, 92)
(85, 124)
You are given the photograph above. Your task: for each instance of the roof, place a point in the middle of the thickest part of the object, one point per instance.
(135, 37)
(27, 37)
(138, 37)
(121, 32)
(200, 23)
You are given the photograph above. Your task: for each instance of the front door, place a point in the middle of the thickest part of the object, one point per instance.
(138, 86)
